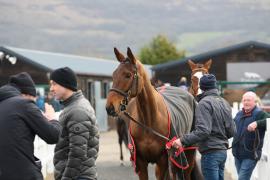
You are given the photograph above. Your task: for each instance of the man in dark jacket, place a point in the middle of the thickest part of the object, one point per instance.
(246, 150)
(20, 121)
(77, 150)
(213, 127)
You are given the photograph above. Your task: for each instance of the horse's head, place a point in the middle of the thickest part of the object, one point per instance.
(127, 82)
(198, 70)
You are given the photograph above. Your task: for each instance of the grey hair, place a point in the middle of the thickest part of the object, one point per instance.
(251, 94)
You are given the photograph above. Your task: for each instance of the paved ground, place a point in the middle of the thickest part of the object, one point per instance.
(108, 162)
(109, 165)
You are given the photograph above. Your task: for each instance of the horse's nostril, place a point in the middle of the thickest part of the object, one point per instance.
(110, 110)
(123, 108)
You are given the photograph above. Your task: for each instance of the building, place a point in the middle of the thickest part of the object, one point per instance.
(241, 62)
(94, 74)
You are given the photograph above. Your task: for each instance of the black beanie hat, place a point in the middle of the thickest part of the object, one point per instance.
(208, 81)
(65, 77)
(24, 83)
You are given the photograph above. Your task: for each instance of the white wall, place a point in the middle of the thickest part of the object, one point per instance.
(45, 153)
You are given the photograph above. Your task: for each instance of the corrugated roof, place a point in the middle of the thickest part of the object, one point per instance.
(81, 65)
(212, 53)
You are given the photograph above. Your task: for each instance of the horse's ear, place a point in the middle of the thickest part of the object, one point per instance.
(208, 64)
(119, 56)
(131, 56)
(191, 64)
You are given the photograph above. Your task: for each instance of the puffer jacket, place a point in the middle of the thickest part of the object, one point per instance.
(77, 150)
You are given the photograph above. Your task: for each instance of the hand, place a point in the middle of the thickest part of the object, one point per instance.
(177, 143)
(252, 126)
(49, 112)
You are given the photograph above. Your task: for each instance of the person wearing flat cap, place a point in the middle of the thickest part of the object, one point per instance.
(77, 149)
(213, 127)
(20, 121)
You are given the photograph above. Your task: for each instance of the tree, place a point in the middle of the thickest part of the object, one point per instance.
(160, 50)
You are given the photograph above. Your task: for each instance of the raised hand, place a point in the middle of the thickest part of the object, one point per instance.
(49, 112)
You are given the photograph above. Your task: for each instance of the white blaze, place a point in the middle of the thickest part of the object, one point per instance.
(199, 75)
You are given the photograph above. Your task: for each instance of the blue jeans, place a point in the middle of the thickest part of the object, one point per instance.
(212, 165)
(244, 168)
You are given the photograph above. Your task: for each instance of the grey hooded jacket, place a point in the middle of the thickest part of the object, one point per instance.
(214, 124)
(77, 150)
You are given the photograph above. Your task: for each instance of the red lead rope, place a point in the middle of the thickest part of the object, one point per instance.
(180, 149)
(178, 152)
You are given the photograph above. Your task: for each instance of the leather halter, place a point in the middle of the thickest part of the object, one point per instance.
(127, 93)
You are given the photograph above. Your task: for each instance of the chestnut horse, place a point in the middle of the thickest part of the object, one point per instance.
(132, 87)
(198, 70)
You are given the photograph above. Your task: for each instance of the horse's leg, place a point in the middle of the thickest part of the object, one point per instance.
(162, 168)
(121, 150)
(120, 138)
(142, 169)
(196, 173)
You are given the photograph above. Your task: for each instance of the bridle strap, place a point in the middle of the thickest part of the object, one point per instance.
(135, 78)
(125, 94)
(148, 129)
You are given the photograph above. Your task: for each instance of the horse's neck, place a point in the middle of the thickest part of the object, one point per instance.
(146, 102)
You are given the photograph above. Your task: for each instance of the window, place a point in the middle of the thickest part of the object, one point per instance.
(91, 93)
(104, 89)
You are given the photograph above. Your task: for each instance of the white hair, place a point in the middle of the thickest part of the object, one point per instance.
(250, 94)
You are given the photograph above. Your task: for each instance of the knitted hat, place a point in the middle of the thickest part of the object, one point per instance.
(24, 83)
(208, 81)
(65, 77)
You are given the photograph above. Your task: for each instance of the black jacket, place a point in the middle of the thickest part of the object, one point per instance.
(214, 124)
(243, 141)
(20, 121)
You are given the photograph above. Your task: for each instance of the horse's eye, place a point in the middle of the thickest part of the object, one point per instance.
(128, 75)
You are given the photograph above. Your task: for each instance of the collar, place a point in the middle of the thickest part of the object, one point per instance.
(247, 113)
(74, 97)
(211, 92)
(8, 91)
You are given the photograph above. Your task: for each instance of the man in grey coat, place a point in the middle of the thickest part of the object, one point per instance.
(77, 150)
(213, 127)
